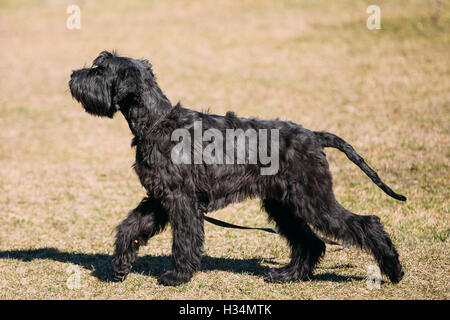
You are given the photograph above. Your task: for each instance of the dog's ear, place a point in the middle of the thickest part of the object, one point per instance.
(102, 58)
(147, 71)
(127, 85)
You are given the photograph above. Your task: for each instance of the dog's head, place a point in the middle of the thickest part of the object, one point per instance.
(111, 82)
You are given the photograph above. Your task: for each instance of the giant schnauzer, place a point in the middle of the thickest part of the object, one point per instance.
(298, 197)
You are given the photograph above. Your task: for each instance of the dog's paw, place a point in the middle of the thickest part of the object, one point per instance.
(287, 274)
(173, 278)
(392, 269)
(119, 276)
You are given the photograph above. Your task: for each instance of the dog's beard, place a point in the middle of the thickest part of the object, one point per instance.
(93, 93)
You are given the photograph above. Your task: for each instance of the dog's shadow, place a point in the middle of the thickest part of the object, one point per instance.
(154, 266)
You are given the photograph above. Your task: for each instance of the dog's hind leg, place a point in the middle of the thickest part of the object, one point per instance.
(365, 232)
(317, 204)
(306, 247)
(187, 223)
(145, 221)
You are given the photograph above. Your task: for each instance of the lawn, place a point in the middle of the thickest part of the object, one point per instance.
(66, 179)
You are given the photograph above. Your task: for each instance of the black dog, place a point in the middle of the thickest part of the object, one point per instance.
(297, 197)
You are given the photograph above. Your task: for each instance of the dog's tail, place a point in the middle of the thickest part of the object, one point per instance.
(333, 141)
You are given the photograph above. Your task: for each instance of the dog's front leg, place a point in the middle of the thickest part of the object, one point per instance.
(148, 219)
(188, 236)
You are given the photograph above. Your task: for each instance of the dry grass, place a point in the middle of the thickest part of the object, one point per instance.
(65, 177)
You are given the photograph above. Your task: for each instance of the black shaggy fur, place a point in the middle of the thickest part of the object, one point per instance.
(298, 198)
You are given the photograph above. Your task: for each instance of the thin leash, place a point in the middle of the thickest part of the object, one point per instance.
(233, 226)
(224, 224)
